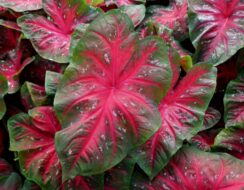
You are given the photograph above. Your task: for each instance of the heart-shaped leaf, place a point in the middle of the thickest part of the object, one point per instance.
(106, 99)
(51, 37)
(216, 29)
(182, 111)
(192, 169)
(173, 17)
(32, 136)
(22, 5)
(234, 102)
(8, 178)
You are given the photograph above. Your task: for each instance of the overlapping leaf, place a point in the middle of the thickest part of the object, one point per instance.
(51, 37)
(204, 140)
(216, 29)
(22, 5)
(182, 111)
(191, 169)
(173, 17)
(123, 2)
(135, 12)
(33, 95)
(106, 100)
(32, 136)
(232, 139)
(234, 102)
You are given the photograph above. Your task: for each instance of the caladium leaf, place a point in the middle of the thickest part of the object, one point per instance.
(182, 111)
(12, 66)
(52, 80)
(232, 138)
(135, 12)
(234, 102)
(32, 136)
(204, 140)
(33, 95)
(173, 17)
(113, 82)
(216, 29)
(51, 38)
(123, 2)
(8, 178)
(3, 91)
(21, 5)
(192, 169)
(119, 177)
(211, 118)
(165, 33)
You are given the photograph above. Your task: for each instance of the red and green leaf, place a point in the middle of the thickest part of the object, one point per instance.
(120, 3)
(204, 140)
(192, 169)
(52, 80)
(22, 5)
(8, 178)
(3, 91)
(51, 37)
(135, 12)
(211, 118)
(12, 65)
(182, 111)
(106, 99)
(33, 95)
(234, 102)
(173, 17)
(232, 139)
(216, 29)
(32, 136)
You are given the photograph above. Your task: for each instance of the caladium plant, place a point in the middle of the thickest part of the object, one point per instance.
(149, 94)
(216, 29)
(191, 169)
(21, 5)
(51, 36)
(120, 81)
